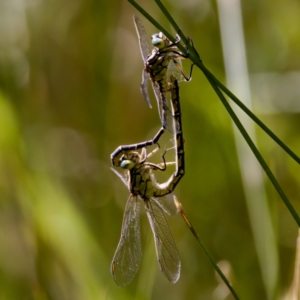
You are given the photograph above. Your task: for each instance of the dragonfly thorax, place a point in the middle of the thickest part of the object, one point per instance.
(157, 65)
(141, 181)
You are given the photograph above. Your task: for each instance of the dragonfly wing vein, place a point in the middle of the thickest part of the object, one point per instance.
(142, 35)
(166, 250)
(174, 71)
(123, 178)
(128, 255)
(165, 113)
(167, 204)
(144, 88)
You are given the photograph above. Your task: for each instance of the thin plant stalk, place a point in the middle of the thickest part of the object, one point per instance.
(194, 57)
(256, 152)
(195, 234)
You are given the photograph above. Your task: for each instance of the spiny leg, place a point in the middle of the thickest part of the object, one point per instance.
(158, 166)
(144, 154)
(153, 166)
(164, 164)
(154, 150)
(192, 45)
(180, 54)
(186, 78)
(161, 166)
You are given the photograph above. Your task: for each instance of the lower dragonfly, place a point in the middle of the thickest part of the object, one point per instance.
(143, 186)
(160, 64)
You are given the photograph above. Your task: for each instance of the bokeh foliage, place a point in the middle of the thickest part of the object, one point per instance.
(69, 79)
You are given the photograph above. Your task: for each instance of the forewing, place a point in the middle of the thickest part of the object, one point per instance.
(159, 101)
(142, 35)
(167, 204)
(123, 178)
(128, 255)
(145, 50)
(166, 250)
(144, 88)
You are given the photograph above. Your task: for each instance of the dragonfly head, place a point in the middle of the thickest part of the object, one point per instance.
(129, 161)
(159, 40)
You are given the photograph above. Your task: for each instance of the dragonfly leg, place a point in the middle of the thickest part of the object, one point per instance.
(164, 160)
(143, 155)
(190, 76)
(192, 45)
(158, 166)
(182, 55)
(177, 40)
(150, 154)
(187, 78)
(169, 163)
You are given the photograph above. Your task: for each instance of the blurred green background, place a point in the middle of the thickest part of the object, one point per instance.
(69, 96)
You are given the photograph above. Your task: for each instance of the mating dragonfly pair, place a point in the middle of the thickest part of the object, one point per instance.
(163, 66)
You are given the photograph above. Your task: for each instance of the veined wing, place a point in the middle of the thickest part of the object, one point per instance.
(123, 178)
(165, 113)
(145, 50)
(167, 204)
(127, 258)
(174, 70)
(166, 250)
(142, 35)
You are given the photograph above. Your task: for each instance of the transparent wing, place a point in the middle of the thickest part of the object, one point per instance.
(123, 178)
(167, 204)
(165, 113)
(144, 88)
(174, 70)
(128, 255)
(145, 50)
(142, 35)
(166, 250)
(159, 103)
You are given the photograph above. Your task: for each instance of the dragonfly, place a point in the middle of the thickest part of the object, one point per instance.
(157, 199)
(159, 64)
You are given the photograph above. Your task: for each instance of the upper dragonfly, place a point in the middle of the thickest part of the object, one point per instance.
(162, 62)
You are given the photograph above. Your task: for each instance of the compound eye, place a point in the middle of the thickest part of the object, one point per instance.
(127, 164)
(157, 41)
